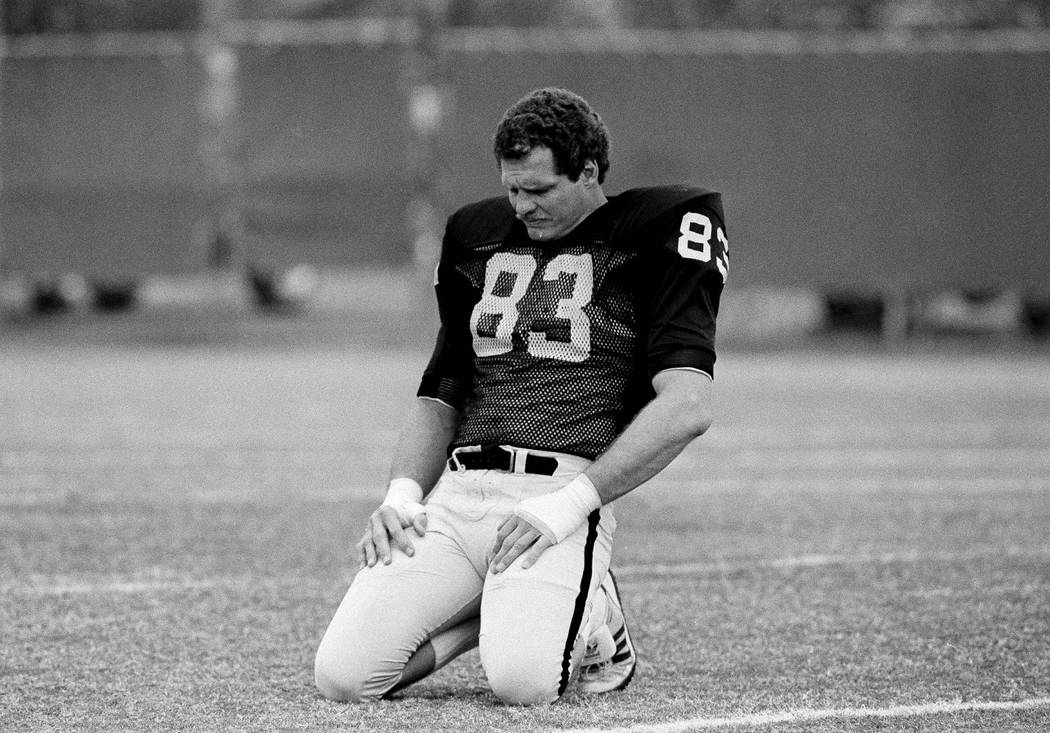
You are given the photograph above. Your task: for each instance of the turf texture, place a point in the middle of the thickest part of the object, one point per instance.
(863, 529)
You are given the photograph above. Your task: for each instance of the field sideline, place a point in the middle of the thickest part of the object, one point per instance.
(859, 543)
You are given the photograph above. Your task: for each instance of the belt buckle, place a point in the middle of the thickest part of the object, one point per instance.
(518, 457)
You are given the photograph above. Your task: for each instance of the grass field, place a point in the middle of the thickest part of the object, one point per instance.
(862, 542)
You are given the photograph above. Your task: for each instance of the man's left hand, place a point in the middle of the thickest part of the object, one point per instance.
(514, 538)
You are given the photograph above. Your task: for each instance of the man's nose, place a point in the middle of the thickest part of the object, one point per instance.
(523, 205)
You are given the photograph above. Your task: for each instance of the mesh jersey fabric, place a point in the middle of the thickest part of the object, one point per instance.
(553, 345)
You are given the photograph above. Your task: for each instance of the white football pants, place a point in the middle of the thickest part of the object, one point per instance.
(399, 622)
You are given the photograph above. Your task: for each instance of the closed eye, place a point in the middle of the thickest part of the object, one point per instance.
(514, 190)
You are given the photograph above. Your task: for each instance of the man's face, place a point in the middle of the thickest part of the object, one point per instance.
(548, 203)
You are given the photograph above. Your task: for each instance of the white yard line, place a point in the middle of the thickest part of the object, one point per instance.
(33, 491)
(659, 570)
(256, 497)
(60, 585)
(64, 586)
(877, 480)
(807, 714)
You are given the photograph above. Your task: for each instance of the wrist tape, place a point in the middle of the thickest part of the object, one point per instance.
(405, 497)
(560, 513)
(403, 490)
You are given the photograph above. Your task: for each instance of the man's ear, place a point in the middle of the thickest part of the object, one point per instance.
(589, 174)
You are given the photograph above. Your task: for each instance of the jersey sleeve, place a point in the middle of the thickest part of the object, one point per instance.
(687, 275)
(448, 375)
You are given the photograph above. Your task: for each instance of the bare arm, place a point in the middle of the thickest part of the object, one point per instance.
(421, 448)
(419, 459)
(680, 412)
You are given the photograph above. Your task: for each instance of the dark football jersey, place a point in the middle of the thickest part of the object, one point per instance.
(554, 345)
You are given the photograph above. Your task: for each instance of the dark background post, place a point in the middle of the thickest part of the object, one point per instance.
(427, 101)
(219, 107)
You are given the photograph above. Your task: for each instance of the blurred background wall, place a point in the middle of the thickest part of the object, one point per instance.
(860, 144)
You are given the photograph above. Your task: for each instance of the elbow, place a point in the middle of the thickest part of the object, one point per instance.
(700, 421)
(705, 424)
(686, 399)
(695, 416)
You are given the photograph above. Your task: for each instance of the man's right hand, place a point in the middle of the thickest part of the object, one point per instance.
(401, 509)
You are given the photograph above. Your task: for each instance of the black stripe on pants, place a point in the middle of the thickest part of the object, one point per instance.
(581, 599)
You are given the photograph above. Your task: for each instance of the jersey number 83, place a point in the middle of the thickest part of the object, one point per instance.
(694, 243)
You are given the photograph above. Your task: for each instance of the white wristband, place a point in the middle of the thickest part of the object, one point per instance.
(403, 491)
(405, 497)
(560, 513)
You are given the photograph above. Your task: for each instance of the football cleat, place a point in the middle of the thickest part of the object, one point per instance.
(609, 661)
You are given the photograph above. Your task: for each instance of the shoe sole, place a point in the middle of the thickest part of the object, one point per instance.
(630, 642)
(627, 635)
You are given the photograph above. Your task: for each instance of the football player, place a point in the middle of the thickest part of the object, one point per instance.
(574, 361)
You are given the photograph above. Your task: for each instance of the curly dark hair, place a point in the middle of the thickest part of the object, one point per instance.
(557, 119)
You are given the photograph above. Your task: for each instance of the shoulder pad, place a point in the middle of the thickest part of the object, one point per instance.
(482, 222)
(638, 207)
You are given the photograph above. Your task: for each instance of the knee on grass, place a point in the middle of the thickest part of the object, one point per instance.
(519, 684)
(341, 681)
